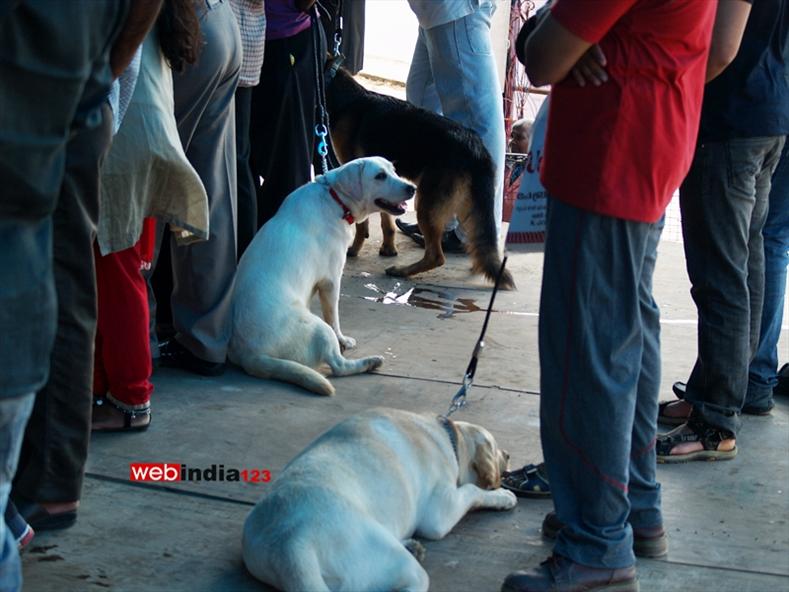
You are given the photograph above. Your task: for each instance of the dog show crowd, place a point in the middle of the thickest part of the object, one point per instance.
(146, 145)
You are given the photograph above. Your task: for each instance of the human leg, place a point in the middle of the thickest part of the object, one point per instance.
(643, 488)
(596, 272)
(203, 272)
(762, 377)
(597, 269)
(466, 81)
(247, 196)
(122, 343)
(283, 121)
(55, 448)
(14, 412)
(40, 143)
(719, 200)
(420, 88)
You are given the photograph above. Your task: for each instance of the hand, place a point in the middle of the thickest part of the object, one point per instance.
(591, 67)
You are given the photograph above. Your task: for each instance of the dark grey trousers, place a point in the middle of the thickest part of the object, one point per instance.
(724, 201)
(55, 447)
(204, 109)
(54, 75)
(247, 192)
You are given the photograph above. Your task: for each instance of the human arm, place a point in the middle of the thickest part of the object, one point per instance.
(142, 14)
(730, 20)
(551, 52)
(562, 38)
(528, 28)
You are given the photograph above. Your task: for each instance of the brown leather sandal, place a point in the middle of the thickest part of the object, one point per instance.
(134, 420)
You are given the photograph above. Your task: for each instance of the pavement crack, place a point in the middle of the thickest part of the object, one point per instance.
(168, 489)
(458, 383)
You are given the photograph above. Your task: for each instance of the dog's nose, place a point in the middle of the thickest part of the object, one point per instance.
(410, 190)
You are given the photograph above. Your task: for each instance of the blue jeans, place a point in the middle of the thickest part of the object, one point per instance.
(14, 413)
(453, 72)
(599, 334)
(764, 366)
(723, 201)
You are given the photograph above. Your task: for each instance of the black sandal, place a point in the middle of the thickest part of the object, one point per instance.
(710, 438)
(129, 415)
(529, 481)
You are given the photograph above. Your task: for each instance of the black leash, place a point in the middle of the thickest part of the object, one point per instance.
(459, 400)
(322, 126)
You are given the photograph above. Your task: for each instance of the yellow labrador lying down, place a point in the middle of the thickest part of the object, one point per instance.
(342, 513)
(297, 253)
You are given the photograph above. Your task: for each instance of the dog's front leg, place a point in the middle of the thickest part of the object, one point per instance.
(329, 294)
(362, 233)
(449, 505)
(388, 248)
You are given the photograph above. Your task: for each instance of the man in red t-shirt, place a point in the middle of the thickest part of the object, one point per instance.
(617, 146)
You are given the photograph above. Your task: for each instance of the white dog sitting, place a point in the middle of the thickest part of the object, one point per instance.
(342, 513)
(300, 251)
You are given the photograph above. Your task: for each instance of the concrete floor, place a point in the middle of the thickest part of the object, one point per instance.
(727, 521)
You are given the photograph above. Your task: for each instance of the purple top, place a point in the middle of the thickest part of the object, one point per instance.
(283, 19)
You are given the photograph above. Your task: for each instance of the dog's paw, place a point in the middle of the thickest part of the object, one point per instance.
(386, 251)
(395, 271)
(416, 549)
(504, 500)
(351, 252)
(375, 362)
(346, 342)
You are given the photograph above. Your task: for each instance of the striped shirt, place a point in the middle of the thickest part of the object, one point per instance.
(251, 17)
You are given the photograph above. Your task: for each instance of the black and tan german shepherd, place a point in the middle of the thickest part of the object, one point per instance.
(449, 164)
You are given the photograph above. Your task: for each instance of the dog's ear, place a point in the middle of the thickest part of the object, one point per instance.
(349, 180)
(486, 467)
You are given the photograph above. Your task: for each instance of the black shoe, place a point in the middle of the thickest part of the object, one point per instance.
(450, 243)
(782, 388)
(174, 355)
(39, 518)
(411, 231)
(559, 574)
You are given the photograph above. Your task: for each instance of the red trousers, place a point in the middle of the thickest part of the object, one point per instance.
(123, 351)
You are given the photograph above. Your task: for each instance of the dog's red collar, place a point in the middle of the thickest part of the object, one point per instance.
(346, 213)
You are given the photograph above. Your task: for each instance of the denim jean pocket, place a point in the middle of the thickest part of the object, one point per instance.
(477, 30)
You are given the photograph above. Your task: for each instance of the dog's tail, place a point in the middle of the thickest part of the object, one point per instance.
(263, 366)
(483, 244)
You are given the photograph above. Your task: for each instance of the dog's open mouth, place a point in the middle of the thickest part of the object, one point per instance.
(396, 209)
